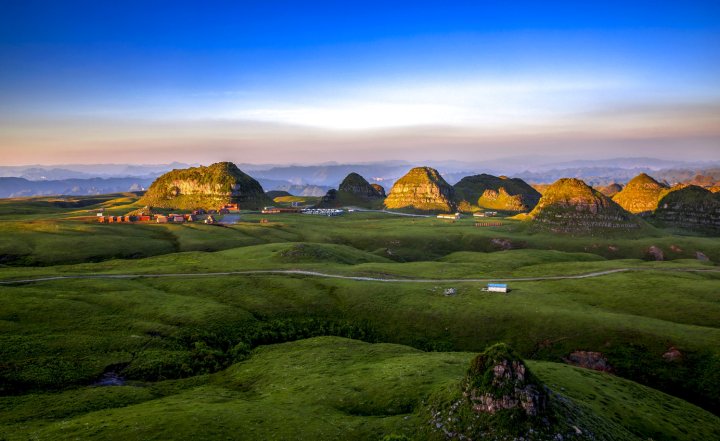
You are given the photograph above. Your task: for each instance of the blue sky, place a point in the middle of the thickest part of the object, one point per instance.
(299, 81)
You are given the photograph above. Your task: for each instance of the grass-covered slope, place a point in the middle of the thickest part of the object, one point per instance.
(354, 191)
(422, 189)
(571, 206)
(205, 187)
(641, 194)
(497, 193)
(68, 332)
(330, 388)
(611, 189)
(689, 207)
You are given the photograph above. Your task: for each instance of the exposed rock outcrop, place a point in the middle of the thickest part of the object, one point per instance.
(589, 360)
(205, 187)
(672, 354)
(499, 380)
(571, 206)
(497, 193)
(501, 399)
(422, 188)
(641, 194)
(689, 207)
(654, 253)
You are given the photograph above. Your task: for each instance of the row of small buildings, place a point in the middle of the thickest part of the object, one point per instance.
(278, 210)
(194, 216)
(159, 218)
(123, 219)
(456, 216)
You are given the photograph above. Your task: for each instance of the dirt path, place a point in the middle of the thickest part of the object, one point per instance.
(338, 276)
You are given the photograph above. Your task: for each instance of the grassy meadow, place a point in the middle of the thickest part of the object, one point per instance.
(274, 356)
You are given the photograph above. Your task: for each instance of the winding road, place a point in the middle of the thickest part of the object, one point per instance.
(339, 276)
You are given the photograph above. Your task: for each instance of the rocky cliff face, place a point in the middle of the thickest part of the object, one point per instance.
(493, 192)
(205, 187)
(422, 188)
(571, 206)
(689, 207)
(641, 194)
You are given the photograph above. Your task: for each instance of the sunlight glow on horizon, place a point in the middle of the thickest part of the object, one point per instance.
(317, 81)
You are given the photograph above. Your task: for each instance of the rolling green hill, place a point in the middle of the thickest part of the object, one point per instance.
(330, 388)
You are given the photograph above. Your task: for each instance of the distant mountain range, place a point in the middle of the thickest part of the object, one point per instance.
(20, 187)
(316, 180)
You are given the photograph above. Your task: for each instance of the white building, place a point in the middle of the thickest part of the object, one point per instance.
(497, 287)
(455, 216)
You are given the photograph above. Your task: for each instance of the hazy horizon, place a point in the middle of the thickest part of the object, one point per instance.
(277, 82)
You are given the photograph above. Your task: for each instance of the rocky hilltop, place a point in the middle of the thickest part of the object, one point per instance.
(641, 194)
(497, 193)
(354, 190)
(689, 207)
(571, 206)
(205, 187)
(501, 399)
(422, 188)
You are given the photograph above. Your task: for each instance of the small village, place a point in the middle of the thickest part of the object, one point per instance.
(209, 217)
(219, 216)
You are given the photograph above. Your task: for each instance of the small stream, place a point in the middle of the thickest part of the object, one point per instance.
(110, 379)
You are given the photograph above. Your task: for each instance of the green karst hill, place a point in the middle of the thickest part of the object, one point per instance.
(423, 189)
(354, 190)
(205, 187)
(640, 195)
(610, 190)
(689, 207)
(571, 206)
(497, 193)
